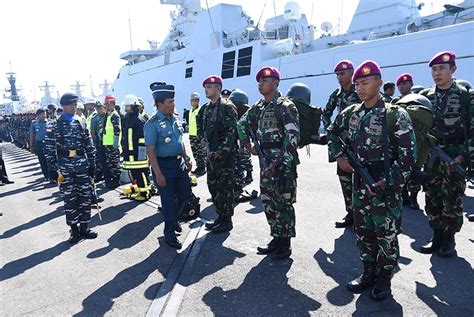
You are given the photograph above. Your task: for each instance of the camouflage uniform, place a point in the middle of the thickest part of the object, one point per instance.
(199, 151)
(341, 100)
(243, 162)
(376, 219)
(112, 170)
(76, 168)
(277, 128)
(50, 149)
(218, 128)
(451, 110)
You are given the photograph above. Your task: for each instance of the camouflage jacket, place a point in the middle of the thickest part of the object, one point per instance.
(64, 137)
(276, 126)
(339, 99)
(453, 112)
(218, 126)
(364, 132)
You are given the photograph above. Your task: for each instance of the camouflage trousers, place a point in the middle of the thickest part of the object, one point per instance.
(278, 195)
(220, 181)
(242, 165)
(346, 186)
(444, 194)
(411, 187)
(199, 152)
(376, 223)
(77, 192)
(112, 160)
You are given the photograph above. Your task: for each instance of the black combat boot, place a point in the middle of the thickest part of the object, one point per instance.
(413, 201)
(270, 248)
(214, 223)
(347, 221)
(283, 250)
(74, 234)
(448, 244)
(225, 225)
(178, 228)
(365, 280)
(86, 233)
(382, 288)
(470, 217)
(405, 198)
(248, 179)
(434, 244)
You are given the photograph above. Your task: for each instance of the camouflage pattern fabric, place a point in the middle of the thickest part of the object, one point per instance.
(346, 187)
(276, 127)
(340, 100)
(453, 112)
(75, 168)
(240, 168)
(219, 123)
(199, 152)
(376, 220)
(112, 157)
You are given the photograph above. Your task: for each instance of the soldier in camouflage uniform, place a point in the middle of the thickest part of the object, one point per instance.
(199, 151)
(243, 161)
(453, 111)
(340, 99)
(219, 132)
(388, 91)
(274, 122)
(364, 126)
(75, 161)
(410, 191)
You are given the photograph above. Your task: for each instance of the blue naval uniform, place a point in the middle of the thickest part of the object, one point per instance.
(165, 133)
(38, 129)
(75, 160)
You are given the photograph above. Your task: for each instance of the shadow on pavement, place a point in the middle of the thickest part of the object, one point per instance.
(264, 292)
(19, 266)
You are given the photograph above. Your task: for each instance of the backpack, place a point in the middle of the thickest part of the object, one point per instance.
(310, 120)
(422, 121)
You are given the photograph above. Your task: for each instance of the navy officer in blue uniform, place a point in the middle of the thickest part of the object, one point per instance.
(37, 135)
(168, 159)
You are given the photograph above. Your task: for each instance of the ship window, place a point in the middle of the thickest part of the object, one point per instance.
(189, 62)
(245, 61)
(189, 72)
(228, 61)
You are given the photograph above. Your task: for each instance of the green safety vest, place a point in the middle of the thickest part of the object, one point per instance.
(108, 138)
(89, 119)
(192, 121)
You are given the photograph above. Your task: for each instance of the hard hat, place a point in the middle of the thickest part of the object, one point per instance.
(130, 100)
(299, 91)
(195, 96)
(80, 106)
(240, 96)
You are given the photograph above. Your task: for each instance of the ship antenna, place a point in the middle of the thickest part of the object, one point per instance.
(210, 18)
(130, 30)
(92, 87)
(274, 9)
(261, 14)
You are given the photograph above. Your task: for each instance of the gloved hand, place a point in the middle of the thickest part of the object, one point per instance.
(116, 142)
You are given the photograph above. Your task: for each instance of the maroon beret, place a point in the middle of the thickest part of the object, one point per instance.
(268, 71)
(366, 69)
(343, 65)
(213, 79)
(443, 58)
(404, 77)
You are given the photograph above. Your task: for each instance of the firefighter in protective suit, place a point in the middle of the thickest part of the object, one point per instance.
(134, 151)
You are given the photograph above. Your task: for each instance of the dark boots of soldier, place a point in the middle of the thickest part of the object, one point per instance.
(365, 280)
(214, 223)
(382, 288)
(270, 248)
(248, 179)
(347, 221)
(434, 244)
(86, 233)
(413, 201)
(199, 171)
(225, 225)
(74, 237)
(470, 218)
(283, 250)
(448, 244)
(405, 197)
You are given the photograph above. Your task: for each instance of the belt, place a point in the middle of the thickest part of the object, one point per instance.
(71, 153)
(174, 157)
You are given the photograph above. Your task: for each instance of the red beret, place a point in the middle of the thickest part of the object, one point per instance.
(366, 69)
(268, 71)
(443, 58)
(404, 77)
(343, 65)
(213, 79)
(109, 98)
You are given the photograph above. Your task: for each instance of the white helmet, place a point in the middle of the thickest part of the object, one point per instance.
(195, 96)
(130, 100)
(80, 106)
(89, 100)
